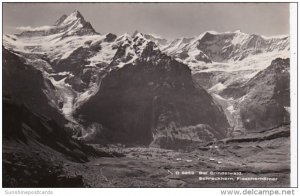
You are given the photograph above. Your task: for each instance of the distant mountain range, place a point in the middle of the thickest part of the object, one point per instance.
(142, 89)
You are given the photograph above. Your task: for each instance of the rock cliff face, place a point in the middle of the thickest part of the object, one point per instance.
(29, 115)
(150, 99)
(262, 102)
(25, 85)
(35, 149)
(23, 125)
(266, 103)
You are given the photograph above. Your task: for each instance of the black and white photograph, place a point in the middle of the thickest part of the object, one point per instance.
(147, 95)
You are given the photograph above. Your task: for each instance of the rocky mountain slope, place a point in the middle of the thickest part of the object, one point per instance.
(71, 56)
(260, 103)
(233, 59)
(267, 101)
(150, 100)
(90, 59)
(35, 144)
(81, 68)
(26, 85)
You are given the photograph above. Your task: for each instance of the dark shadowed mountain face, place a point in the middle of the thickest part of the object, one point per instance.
(150, 99)
(21, 124)
(267, 102)
(35, 144)
(26, 85)
(35, 148)
(262, 102)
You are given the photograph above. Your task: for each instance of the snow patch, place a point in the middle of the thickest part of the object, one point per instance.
(231, 109)
(288, 109)
(217, 88)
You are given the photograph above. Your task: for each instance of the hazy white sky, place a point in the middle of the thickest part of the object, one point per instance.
(169, 20)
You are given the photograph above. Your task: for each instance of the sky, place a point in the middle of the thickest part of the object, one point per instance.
(169, 20)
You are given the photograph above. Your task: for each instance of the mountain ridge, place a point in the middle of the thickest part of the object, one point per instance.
(76, 60)
(73, 24)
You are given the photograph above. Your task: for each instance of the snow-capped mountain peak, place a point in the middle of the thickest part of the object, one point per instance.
(135, 33)
(138, 35)
(73, 24)
(74, 16)
(129, 49)
(225, 47)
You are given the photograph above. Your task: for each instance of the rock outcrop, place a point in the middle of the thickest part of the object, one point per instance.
(150, 99)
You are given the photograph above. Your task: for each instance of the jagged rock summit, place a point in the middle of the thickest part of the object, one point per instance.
(73, 24)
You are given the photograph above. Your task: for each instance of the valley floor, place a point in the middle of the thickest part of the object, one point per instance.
(256, 160)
